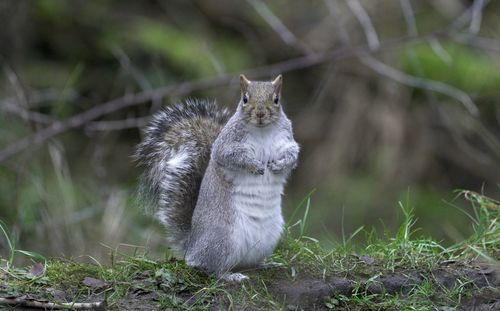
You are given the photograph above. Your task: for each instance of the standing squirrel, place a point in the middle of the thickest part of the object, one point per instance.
(216, 184)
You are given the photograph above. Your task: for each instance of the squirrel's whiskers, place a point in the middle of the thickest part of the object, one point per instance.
(260, 101)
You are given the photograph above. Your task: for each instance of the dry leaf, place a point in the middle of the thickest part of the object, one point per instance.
(37, 269)
(94, 283)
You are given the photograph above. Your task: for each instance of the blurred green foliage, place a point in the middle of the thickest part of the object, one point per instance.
(471, 71)
(190, 52)
(366, 141)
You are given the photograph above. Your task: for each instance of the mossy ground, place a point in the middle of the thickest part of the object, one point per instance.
(402, 271)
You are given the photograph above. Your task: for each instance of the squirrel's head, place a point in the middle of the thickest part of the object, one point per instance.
(260, 101)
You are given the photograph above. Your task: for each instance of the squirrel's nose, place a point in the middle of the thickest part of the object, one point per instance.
(260, 114)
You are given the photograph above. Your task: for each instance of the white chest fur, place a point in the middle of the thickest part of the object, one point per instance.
(257, 201)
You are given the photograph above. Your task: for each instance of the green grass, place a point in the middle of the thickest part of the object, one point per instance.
(171, 283)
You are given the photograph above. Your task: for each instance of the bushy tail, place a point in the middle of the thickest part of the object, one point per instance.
(175, 154)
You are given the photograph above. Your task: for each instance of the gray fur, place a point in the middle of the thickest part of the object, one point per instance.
(221, 224)
(171, 191)
(209, 245)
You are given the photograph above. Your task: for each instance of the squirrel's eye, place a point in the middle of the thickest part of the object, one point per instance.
(276, 100)
(245, 99)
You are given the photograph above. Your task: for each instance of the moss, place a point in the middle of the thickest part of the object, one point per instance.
(401, 271)
(65, 273)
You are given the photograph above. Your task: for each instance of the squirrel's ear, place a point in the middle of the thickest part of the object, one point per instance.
(244, 82)
(277, 83)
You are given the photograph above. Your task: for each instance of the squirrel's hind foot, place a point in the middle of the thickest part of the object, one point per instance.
(234, 277)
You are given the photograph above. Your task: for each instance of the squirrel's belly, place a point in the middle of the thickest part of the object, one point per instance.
(258, 197)
(259, 222)
(255, 239)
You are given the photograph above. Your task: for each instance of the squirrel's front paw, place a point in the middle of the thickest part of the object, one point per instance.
(276, 166)
(259, 169)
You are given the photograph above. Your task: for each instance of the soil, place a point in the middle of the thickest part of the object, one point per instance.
(312, 293)
(309, 293)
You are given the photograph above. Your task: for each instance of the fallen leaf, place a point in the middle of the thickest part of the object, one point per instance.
(143, 275)
(94, 283)
(144, 294)
(367, 259)
(37, 269)
(58, 294)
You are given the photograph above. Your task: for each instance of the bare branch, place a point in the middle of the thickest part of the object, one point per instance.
(477, 42)
(477, 15)
(62, 126)
(25, 114)
(366, 23)
(409, 17)
(277, 25)
(16, 85)
(463, 19)
(29, 303)
(417, 82)
(14, 106)
(39, 98)
(129, 68)
(440, 51)
(117, 125)
(333, 9)
(100, 110)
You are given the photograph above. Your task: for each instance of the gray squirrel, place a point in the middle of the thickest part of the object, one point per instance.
(216, 182)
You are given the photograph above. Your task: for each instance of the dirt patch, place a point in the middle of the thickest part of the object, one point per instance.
(301, 293)
(312, 293)
(488, 299)
(151, 290)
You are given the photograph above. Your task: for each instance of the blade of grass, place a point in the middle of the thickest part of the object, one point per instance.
(10, 244)
(304, 200)
(304, 219)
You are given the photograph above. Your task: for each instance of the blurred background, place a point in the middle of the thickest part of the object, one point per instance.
(395, 100)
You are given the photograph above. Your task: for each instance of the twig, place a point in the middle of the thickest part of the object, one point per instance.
(397, 75)
(117, 125)
(333, 9)
(14, 106)
(25, 114)
(463, 19)
(100, 110)
(129, 68)
(62, 126)
(417, 82)
(38, 98)
(21, 302)
(277, 25)
(440, 51)
(477, 42)
(16, 85)
(366, 23)
(409, 17)
(476, 16)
